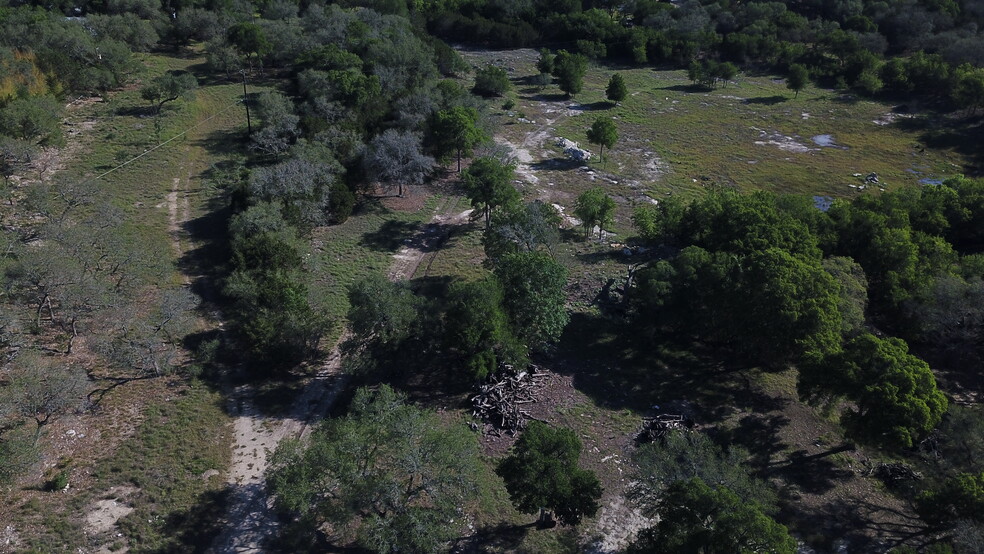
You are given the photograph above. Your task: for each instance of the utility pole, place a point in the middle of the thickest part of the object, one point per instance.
(249, 125)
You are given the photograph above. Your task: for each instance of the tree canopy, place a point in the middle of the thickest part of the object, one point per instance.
(616, 91)
(535, 301)
(489, 185)
(694, 517)
(542, 473)
(594, 207)
(569, 69)
(603, 132)
(456, 131)
(390, 469)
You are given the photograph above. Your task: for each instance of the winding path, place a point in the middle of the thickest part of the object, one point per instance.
(250, 520)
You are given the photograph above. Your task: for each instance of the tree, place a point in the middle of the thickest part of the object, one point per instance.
(456, 130)
(278, 129)
(300, 186)
(35, 119)
(594, 207)
(168, 88)
(726, 71)
(395, 157)
(522, 228)
(393, 470)
(41, 390)
(545, 63)
(489, 185)
(542, 474)
(569, 69)
(603, 132)
(684, 455)
(895, 395)
(693, 518)
(616, 91)
(249, 39)
(492, 81)
(958, 498)
(533, 283)
(853, 292)
(15, 156)
(797, 78)
(477, 327)
(382, 311)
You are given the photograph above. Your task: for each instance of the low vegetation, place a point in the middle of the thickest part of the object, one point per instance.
(777, 276)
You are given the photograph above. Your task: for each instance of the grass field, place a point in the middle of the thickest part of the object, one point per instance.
(137, 459)
(751, 134)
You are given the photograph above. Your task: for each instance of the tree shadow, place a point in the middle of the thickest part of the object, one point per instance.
(861, 524)
(502, 537)
(557, 164)
(601, 256)
(686, 88)
(616, 367)
(135, 111)
(193, 530)
(766, 100)
(541, 97)
(594, 106)
(759, 434)
(224, 142)
(390, 236)
(813, 473)
(963, 135)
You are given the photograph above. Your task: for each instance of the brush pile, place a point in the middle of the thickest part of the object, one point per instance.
(501, 400)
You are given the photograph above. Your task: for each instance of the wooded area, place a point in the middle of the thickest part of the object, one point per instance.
(516, 383)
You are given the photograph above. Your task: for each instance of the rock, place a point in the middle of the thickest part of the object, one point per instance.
(70, 433)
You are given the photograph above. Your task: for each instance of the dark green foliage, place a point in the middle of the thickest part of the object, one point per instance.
(616, 91)
(391, 469)
(477, 328)
(896, 399)
(249, 39)
(958, 498)
(696, 518)
(545, 63)
(535, 300)
(492, 81)
(456, 131)
(569, 69)
(269, 293)
(853, 294)
(797, 78)
(168, 88)
(594, 207)
(382, 311)
(603, 132)
(488, 182)
(689, 454)
(542, 473)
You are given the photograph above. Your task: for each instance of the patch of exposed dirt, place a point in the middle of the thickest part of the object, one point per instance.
(782, 142)
(102, 515)
(249, 521)
(618, 524)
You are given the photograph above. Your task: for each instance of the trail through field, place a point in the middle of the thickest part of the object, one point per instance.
(250, 521)
(422, 248)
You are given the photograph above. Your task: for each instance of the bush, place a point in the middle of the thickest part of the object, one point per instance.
(491, 81)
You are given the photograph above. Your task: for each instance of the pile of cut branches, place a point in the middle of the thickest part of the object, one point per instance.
(500, 400)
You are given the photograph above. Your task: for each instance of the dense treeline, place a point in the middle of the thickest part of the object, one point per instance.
(778, 281)
(927, 48)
